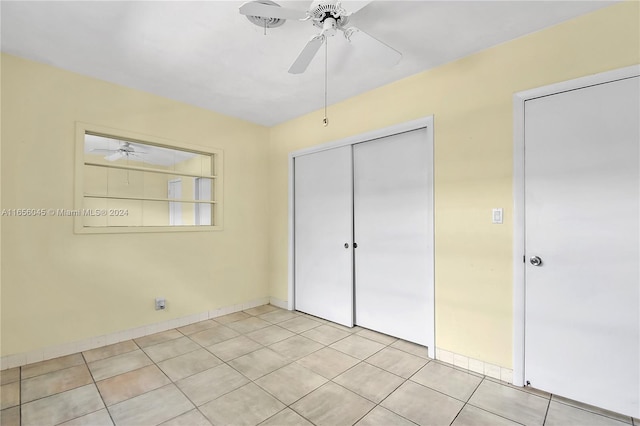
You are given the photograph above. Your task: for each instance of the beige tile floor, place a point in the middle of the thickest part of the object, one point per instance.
(269, 366)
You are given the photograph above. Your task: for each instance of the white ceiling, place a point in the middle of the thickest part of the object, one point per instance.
(206, 54)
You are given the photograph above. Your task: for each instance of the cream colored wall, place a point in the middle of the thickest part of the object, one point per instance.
(471, 100)
(60, 287)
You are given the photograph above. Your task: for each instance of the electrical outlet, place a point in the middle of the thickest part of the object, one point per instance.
(160, 303)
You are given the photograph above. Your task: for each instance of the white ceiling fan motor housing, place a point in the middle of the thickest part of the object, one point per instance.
(329, 11)
(329, 27)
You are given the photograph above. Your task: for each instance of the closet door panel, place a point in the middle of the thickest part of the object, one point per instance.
(323, 215)
(393, 217)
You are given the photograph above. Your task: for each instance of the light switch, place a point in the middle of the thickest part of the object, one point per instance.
(497, 216)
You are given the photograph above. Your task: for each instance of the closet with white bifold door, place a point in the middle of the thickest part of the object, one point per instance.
(361, 227)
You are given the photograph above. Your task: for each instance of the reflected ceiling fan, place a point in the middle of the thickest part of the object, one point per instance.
(126, 150)
(329, 17)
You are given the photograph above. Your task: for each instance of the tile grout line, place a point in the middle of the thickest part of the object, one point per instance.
(386, 397)
(223, 363)
(275, 414)
(328, 380)
(58, 393)
(514, 387)
(385, 345)
(546, 413)
(233, 368)
(55, 393)
(491, 412)
(175, 385)
(112, 356)
(439, 391)
(171, 382)
(375, 404)
(467, 401)
(53, 371)
(592, 412)
(93, 379)
(20, 396)
(486, 378)
(251, 380)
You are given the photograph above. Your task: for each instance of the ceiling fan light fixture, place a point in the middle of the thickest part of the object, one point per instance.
(264, 22)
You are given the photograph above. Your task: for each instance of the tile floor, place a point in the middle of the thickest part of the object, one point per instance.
(269, 366)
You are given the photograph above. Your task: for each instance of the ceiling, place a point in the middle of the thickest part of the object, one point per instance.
(206, 54)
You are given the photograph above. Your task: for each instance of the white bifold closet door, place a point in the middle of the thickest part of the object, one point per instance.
(393, 227)
(323, 223)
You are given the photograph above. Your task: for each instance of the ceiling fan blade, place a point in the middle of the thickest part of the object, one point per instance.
(115, 156)
(271, 11)
(135, 155)
(102, 151)
(307, 54)
(373, 47)
(353, 6)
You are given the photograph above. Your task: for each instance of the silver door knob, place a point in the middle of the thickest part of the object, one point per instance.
(346, 245)
(535, 261)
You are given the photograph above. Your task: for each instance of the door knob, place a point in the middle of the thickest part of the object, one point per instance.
(346, 245)
(535, 261)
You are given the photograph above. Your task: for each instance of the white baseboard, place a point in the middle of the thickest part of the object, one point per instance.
(18, 360)
(475, 365)
(279, 303)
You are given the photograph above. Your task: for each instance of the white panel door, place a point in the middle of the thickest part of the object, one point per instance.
(323, 220)
(582, 320)
(393, 215)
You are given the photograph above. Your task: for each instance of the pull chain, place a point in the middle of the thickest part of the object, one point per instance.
(325, 121)
(127, 155)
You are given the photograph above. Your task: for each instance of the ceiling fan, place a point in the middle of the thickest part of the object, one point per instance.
(329, 17)
(126, 149)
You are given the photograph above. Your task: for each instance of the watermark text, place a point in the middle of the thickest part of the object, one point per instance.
(63, 212)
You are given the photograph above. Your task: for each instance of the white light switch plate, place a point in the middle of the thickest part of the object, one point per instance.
(496, 216)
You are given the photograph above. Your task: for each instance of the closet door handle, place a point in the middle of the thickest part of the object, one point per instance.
(346, 245)
(355, 245)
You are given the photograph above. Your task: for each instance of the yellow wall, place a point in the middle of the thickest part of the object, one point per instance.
(58, 286)
(471, 100)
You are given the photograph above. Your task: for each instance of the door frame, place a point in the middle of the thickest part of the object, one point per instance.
(519, 100)
(424, 122)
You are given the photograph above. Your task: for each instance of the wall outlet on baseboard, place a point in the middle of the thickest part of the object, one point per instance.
(160, 303)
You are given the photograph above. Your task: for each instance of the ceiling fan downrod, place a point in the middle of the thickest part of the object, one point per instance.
(325, 120)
